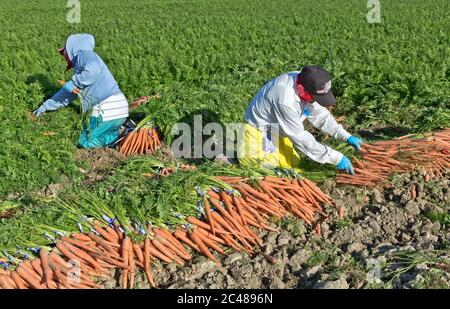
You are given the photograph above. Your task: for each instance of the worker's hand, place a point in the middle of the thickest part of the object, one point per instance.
(39, 111)
(70, 87)
(355, 142)
(346, 165)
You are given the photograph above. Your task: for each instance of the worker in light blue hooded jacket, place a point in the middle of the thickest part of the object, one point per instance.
(99, 91)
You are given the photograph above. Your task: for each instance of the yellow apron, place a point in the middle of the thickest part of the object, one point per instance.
(251, 151)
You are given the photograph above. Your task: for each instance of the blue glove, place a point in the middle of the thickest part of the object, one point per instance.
(355, 142)
(69, 86)
(346, 165)
(39, 111)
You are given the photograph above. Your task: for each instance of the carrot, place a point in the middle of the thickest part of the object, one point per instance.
(102, 243)
(125, 253)
(138, 253)
(253, 192)
(155, 252)
(299, 213)
(135, 143)
(59, 277)
(146, 254)
(29, 268)
(208, 215)
(232, 243)
(261, 225)
(256, 239)
(202, 224)
(210, 243)
(150, 278)
(230, 208)
(223, 223)
(28, 277)
(250, 212)
(174, 249)
(316, 189)
(275, 179)
(36, 264)
(358, 163)
(125, 143)
(167, 251)
(267, 190)
(132, 143)
(132, 266)
(46, 269)
(281, 186)
(211, 236)
(196, 239)
(225, 214)
(360, 171)
(213, 194)
(259, 204)
(113, 261)
(83, 255)
(106, 235)
(139, 141)
(150, 142)
(237, 202)
(82, 237)
(311, 196)
(20, 283)
(140, 149)
(69, 254)
(81, 245)
(171, 238)
(113, 233)
(58, 261)
(181, 235)
(6, 282)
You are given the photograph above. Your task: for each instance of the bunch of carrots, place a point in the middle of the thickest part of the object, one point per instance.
(230, 220)
(142, 140)
(407, 153)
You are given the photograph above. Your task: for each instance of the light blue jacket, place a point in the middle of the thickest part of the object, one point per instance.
(91, 75)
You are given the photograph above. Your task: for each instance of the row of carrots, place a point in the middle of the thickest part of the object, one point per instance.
(380, 159)
(141, 141)
(230, 221)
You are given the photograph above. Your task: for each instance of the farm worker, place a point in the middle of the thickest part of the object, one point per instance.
(98, 90)
(283, 104)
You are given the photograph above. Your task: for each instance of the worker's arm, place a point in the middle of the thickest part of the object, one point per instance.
(291, 126)
(60, 99)
(321, 118)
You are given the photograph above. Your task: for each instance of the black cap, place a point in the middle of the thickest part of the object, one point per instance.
(317, 81)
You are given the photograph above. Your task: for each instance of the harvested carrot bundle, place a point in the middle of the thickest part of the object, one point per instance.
(228, 221)
(144, 99)
(407, 153)
(140, 141)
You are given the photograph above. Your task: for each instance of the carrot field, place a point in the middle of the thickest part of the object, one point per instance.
(132, 210)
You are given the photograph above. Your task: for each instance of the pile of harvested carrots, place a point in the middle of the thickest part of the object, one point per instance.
(141, 141)
(230, 221)
(430, 153)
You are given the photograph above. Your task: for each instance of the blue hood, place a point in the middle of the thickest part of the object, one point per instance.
(77, 42)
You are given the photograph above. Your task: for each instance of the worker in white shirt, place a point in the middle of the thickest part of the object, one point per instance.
(274, 133)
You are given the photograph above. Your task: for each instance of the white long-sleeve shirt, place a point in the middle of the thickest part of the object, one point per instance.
(277, 103)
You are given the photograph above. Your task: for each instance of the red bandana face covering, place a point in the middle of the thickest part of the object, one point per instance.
(304, 95)
(66, 56)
